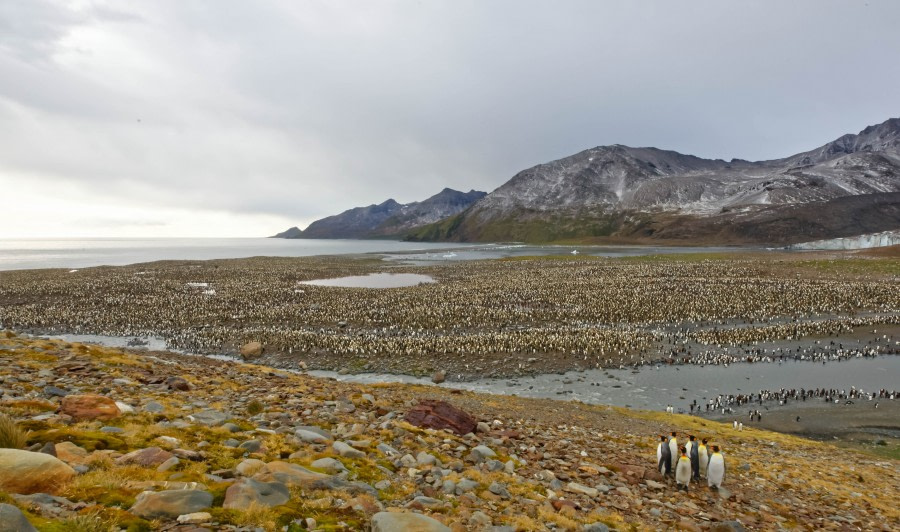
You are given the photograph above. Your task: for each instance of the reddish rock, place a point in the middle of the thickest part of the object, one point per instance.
(149, 457)
(178, 383)
(637, 472)
(440, 415)
(87, 407)
(559, 504)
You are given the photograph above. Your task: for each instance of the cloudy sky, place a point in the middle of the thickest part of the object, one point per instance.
(242, 118)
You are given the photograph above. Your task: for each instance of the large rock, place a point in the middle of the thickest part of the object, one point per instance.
(70, 453)
(28, 472)
(405, 522)
(209, 417)
(293, 475)
(149, 457)
(87, 407)
(170, 503)
(435, 414)
(243, 493)
(13, 520)
(251, 350)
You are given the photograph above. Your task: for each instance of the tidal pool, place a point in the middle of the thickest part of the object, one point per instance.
(375, 280)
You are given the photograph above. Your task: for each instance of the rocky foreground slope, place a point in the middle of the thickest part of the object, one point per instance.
(642, 194)
(142, 441)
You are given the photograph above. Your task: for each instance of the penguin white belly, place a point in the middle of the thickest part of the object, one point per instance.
(683, 471)
(704, 460)
(673, 449)
(715, 473)
(659, 453)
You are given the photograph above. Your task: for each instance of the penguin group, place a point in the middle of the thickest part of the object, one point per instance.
(690, 462)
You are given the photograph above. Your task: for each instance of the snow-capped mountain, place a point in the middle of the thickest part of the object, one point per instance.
(636, 193)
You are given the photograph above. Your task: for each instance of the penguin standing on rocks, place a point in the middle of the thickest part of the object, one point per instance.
(663, 457)
(694, 455)
(703, 456)
(673, 450)
(715, 472)
(683, 470)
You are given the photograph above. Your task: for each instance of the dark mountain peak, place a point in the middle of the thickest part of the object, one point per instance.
(293, 232)
(388, 218)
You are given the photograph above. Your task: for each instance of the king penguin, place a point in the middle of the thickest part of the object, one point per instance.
(683, 470)
(694, 455)
(715, 473)
(663, 457)
(673, 450)
(704, 458)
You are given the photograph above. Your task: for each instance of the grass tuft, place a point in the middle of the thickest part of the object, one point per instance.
(11, 436)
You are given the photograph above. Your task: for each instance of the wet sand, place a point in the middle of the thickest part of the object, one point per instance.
(859, 425)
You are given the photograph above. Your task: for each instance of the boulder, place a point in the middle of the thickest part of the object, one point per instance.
(178, 383)
(149, 457)
(249, 467)
(209, 417)
(170, 503)
(329, 465)
(309, 436)
(251, 350)
(28, 472)
(441, 415)
(293, 475)
(245, 492)
(439, 377)
(195, 518)
(343, 449)
(88, 407)
(406, 522)
(727, 526)
(13, 520)
(70, 453)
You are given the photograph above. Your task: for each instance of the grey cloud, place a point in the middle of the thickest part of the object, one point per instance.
(305, 109)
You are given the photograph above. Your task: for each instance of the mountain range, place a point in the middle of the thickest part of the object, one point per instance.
(388, 219)
(847, 187)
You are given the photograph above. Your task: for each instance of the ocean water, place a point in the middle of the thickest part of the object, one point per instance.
(22, 254)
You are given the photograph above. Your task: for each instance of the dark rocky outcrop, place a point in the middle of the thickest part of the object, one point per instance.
(387, 219)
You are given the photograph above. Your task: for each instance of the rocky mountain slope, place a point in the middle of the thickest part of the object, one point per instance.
(847, 187)
(388, 218)
(160, 441)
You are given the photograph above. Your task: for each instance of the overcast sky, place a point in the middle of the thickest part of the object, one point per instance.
(242, 118)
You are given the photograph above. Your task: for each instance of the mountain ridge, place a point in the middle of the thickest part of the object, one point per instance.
(621, 192)
(387, 219)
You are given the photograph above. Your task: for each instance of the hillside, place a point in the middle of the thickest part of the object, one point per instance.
(142, 438)
(847, 187)
(387, 219)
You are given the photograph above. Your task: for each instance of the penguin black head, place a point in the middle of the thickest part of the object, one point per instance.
(692, 437)
(715, 448)
(674, 433)
(662, 438)
(704, 441)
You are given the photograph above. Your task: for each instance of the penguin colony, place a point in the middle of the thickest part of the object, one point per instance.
(690, 462)
(727, 403)
(482, 318)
